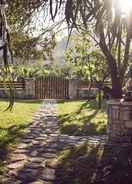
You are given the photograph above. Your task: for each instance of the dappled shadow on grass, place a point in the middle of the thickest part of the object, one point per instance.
(73, 128)
(9, 136)
(75, 123)
(91, 104)
(90, 164)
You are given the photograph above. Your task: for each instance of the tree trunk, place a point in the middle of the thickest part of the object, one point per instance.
(116, 79)
(99, 100)
(116, 88)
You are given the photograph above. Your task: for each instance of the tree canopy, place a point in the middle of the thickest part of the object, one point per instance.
(104, 21)
(110, 30)
(88, 62)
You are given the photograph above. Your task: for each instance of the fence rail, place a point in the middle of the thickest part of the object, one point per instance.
(47, 88)
(15, 84)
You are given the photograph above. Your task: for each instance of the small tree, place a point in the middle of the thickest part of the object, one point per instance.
(88, 62)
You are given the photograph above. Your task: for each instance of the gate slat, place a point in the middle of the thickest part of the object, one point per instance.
(51, 87)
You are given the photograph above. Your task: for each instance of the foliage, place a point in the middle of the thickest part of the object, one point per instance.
(27, 48)
(24, 47)
(20, 12)
(109, 28)
(64, 70)
(88, 62)
(38, 69)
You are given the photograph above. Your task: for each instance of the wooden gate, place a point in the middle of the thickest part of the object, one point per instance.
(51, 88)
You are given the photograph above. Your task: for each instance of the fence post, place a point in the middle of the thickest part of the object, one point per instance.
(29, 88)
(73, 88)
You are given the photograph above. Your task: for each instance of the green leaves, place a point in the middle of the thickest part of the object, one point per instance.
(87, 63)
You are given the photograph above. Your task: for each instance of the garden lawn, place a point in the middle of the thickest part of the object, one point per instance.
(13, 123)
(82, 118)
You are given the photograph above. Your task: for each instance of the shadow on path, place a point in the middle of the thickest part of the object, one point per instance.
(35, 158)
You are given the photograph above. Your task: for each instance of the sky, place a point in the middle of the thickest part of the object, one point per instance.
(42, 21)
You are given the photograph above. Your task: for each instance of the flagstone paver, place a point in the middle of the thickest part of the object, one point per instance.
(34, 161)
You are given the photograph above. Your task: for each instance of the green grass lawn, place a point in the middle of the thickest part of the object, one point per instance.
(13, 123)
(82, 118)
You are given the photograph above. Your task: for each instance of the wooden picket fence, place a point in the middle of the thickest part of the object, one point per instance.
(51, 88)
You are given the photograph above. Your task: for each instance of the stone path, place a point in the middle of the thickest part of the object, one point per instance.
(34, 160)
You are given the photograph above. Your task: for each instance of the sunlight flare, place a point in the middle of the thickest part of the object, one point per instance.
(125, 6)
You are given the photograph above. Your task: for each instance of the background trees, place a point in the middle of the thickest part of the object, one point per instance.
(27, 48)
(111, 31)
(104, 21)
